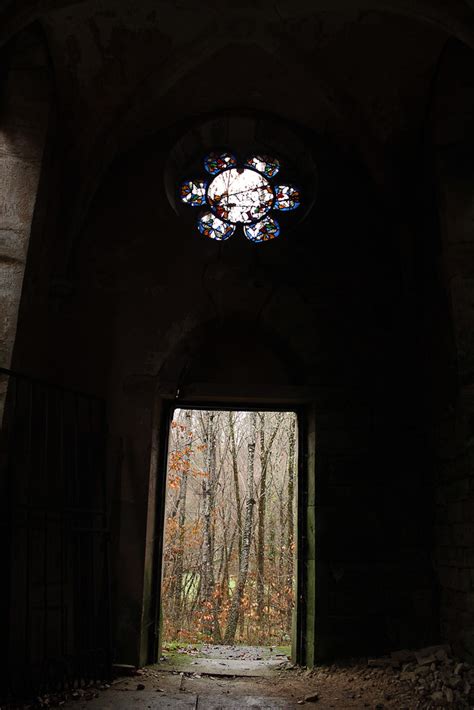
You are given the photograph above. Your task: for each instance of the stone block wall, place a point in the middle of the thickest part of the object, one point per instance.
(26, 97)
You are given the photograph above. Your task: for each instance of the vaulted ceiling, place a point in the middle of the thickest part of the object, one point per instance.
(359, 73)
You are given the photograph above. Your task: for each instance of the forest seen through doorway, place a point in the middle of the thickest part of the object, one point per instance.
(228, 583)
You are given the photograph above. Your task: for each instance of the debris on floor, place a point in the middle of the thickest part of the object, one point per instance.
(437, 679)
(424, 679)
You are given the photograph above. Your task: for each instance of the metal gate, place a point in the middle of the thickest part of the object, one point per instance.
(54, 593)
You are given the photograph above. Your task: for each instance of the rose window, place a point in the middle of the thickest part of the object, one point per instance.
(240, 195)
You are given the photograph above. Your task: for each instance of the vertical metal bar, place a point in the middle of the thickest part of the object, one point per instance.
(50, 485)
(90, 540)
(62, 484)
(9, 538)
(106, 539)
(74, 541)
(28, 473)
(45, 480)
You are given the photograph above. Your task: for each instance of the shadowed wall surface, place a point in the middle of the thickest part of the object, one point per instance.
(362, 314)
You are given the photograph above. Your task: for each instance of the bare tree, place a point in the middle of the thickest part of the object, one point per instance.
(265, 452)
(181, 505)
(208, 489)
(247, 535)
(229, 540)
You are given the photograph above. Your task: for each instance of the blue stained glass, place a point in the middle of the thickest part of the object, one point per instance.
(287, 198)
(193, 192)
(215, 163)
(264, 164)
(213, 227)
(262, 231)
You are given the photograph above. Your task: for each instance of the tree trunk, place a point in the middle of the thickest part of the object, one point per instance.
(181, 505)
(247, 536)
(208, 598)
(207, 561)
(262, 500)
(235, 471)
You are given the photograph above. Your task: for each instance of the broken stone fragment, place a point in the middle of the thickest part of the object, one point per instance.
(403, 656)
(430, 653)
(312, 698)
(422, 670)
(449, 695)
(379, 662)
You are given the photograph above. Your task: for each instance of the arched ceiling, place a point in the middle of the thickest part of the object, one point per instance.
(358, 72)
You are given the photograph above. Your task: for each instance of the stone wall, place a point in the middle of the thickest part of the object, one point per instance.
(26, 96)
(453, 125)
(319, 310)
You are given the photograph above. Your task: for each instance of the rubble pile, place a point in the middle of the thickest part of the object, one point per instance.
(436, 678)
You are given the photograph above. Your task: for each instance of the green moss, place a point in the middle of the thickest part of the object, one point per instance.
(174, 659)
(283, 649)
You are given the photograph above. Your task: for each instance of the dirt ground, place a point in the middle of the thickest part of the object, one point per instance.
(234, 678)
(335, 687)
(213, 678)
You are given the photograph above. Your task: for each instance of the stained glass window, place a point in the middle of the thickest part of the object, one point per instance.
(213, 227)
(262, 231)
(286, 198)
(216, 162)
(193, 192)
(264, 164)
(240, 196)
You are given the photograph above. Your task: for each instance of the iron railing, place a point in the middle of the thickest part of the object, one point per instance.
(54, 593)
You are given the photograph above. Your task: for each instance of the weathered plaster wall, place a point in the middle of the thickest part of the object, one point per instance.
(26, 99)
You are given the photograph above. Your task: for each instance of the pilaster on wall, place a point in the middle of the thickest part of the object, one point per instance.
(24, 113)
(454, 152)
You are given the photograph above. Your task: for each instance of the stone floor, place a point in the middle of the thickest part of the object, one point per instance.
(216, 677)
(232, 678)
(210, 677)
(240, 661)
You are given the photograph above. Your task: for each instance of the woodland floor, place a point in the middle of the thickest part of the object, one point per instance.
(214, 678)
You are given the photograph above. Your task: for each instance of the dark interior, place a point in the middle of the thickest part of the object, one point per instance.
(114, 308)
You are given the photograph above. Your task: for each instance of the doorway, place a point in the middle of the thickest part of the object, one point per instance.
(230, 548)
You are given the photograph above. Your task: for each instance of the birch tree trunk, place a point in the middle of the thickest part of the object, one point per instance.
(247, 535)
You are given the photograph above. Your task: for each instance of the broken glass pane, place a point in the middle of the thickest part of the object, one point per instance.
(240, 195)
